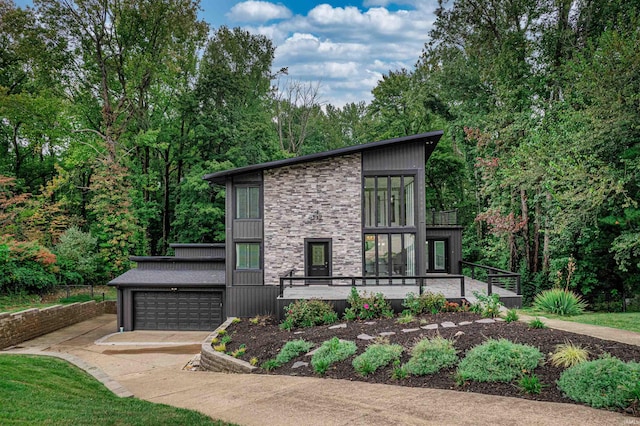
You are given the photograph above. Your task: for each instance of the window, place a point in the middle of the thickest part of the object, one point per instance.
(389, 202)
(389, 254)
(247, 255)
(247, 202)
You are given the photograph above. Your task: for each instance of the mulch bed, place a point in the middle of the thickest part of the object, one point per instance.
(265, 340)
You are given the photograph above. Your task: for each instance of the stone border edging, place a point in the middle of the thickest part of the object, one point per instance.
(115, 387)
(212, 360)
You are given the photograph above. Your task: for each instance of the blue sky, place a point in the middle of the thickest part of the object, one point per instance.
(345, 46)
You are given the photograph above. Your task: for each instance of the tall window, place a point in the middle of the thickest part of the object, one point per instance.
(389, 201)
(247, 202)
(390, 254)
(247, 255)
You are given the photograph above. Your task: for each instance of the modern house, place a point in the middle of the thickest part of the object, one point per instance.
(324, 222)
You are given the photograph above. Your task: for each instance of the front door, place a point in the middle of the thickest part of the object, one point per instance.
(318, 258)
(437, 259)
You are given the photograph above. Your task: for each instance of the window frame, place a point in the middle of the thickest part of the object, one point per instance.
(248, 207)
(248, 255)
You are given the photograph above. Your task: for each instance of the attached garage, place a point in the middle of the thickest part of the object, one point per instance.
(177, 310)
(185, 292)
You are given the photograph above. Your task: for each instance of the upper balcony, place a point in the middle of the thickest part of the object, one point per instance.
(442, 218)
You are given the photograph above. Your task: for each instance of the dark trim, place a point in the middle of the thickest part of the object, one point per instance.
(174, 259)
(197, 245)
(220, 177)
(407, 172)
(430, 255)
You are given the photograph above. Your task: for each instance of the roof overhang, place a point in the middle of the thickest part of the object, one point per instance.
(169, 278)
(221, 177)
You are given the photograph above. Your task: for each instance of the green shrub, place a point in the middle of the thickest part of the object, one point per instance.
(269, 365)
(560, 302)
(425, 303)
(537, 323)
(431, 355)
(376, 356)
(568, 355)
(367, 306)
(499, 361)
(530, 384)
(331, 351)
(307, 313)
(511, 316)
(292, 349)
(606, 382)
(405, 318)
(77, 255)
(487, 306)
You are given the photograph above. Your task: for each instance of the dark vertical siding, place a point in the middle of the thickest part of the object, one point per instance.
(247, 277)
(247, 229)
(454, 236)
(249, 301)
(198, 250)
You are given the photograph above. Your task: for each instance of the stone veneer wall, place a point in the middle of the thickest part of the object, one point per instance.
(292, 196)
(20, 326)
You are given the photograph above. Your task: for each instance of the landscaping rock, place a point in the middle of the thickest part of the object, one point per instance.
(430, 327)
(465, 323)
(365, 337)
(299, 364)
(335, 327)
(298, 332)
(448, 324)
(486, 321)
(370, 323)
(458, 334)
(410, 330)
(387, 333)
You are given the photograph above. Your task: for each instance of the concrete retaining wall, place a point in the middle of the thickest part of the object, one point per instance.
(217, 361)
(20, 326)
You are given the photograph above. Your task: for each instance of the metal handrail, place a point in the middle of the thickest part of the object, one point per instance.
(386, 280)
(493, 275)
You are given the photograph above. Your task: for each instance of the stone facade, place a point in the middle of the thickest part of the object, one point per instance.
(25, 325)
(320, 199)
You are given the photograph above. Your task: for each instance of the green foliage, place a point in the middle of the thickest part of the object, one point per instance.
(307, 313)
(270, 365)
(427, 302)
(530, 384)
(375, 357)
(511, 316)
(567, 355)
(606, 382)
(330, 352)
(499, 361)
(291, 350)
(405, 318)
(537, 323)
(559, 301)
(487, 306)
(430, 356)
(77, 254)
(367, 306)
(26, 267)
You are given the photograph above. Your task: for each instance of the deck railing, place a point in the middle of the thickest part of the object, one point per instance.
(369, 281)
(505, 279)
(442, 218)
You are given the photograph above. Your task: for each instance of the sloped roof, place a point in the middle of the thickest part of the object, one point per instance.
(170, 278)
(221, 177)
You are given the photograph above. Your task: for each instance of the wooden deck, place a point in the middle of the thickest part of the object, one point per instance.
(450, 288)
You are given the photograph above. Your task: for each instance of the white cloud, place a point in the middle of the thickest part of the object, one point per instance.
(258, 11)
(348, 49)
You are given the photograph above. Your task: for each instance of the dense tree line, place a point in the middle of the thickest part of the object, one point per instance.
(112, 111)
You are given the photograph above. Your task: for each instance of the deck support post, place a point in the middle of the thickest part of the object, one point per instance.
(462, 286)
(489, 285)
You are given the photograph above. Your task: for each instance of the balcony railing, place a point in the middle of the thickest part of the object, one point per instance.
(494, 277)
(442, 218)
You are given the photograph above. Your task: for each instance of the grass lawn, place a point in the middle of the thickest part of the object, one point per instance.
(20, 302)
(44, 390)
(622, 320)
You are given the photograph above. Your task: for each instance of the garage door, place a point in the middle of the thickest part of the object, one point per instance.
(181, 310)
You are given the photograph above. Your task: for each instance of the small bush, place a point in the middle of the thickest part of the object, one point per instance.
(236, 321)
(367, 306)
(239, 352)
(530, 384)
(269, 365)
(226, 339)
(431, 355)
(568, 355)
(253, 361)
(307, 313)
(425, 303)
(511, 316)
(405, 318)
(560, 302)
(220, 348)
(487, 306)
(537, 323)
(602, 383)
(499, 361)
(292, 349)
(376, 356)
(332, 351)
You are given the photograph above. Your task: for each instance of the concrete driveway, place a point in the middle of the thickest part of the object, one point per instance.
(149, 365)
